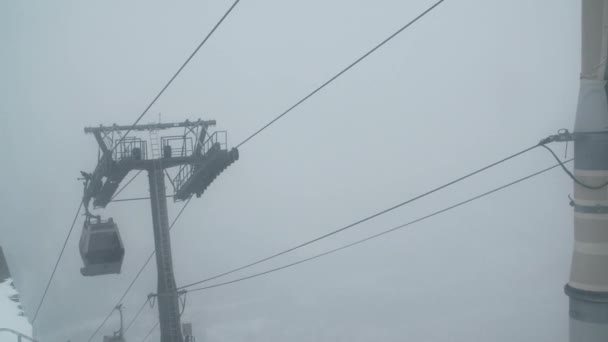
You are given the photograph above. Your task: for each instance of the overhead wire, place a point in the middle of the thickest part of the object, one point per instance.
(150, 332)
(321, 87)
(383, 232)
(178, 72)
(326, 83)
(365, 219)
(136, 315)
(51, 277)
(125, 186)
(571, 175)
(141, 269)
(336, 76)
(313, 92)
(317, 256)
(136, 199)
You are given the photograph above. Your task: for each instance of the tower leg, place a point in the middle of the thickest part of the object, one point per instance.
(168, 301)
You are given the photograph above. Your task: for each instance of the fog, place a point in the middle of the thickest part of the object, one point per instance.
(469, 84)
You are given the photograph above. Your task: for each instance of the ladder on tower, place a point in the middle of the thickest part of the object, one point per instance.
(154, 144)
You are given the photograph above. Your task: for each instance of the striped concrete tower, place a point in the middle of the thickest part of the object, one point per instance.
(588, 286)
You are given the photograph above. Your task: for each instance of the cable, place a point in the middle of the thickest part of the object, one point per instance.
(136, 315)
(136, 199)
(569, 173)
(381, 233)
(177, 73)
(126, 185)
(137, 276)
(341, 72)
(382, 212)
(48, 284)
(150, 332)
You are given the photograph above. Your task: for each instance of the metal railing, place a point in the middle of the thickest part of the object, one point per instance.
(131, 148)
(218, 137)
(19, 335)
(181, 146)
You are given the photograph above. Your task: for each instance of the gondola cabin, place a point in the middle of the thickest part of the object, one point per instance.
(101, 247)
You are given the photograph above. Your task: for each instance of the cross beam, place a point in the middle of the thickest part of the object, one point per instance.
(150, 127)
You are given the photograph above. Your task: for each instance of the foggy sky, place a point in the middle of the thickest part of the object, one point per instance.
(471, 83)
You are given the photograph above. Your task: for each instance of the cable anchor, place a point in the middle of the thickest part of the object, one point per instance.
(563, 135)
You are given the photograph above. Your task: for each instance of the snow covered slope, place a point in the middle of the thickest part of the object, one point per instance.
(11, 313)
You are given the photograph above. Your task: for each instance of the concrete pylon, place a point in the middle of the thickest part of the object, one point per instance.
(588, 285)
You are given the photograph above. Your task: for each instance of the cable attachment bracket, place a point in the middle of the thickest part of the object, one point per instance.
(563, 135)
(151, 299)
(588, 209)
(179, 293)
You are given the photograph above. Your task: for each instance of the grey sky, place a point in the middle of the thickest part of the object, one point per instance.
(471, 83)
